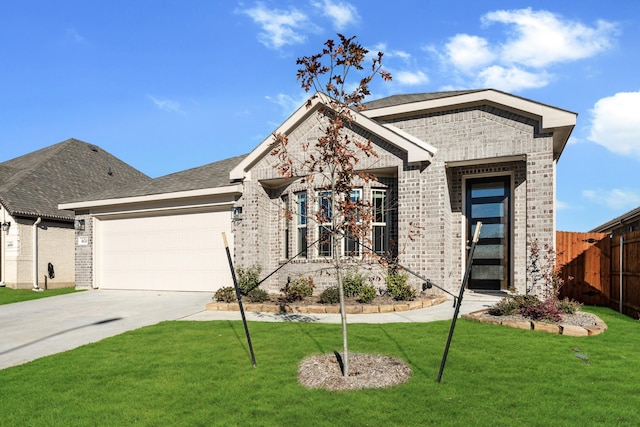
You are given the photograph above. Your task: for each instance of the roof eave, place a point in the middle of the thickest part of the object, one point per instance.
(230, 190)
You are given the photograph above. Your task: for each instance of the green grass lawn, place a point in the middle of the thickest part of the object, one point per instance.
(9, 295)
(200, 374)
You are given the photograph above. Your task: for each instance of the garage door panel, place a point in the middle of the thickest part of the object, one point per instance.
(172, 252)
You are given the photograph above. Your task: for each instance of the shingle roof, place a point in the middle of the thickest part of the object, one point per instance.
(34, 184)
(212, 175)
(393, 100)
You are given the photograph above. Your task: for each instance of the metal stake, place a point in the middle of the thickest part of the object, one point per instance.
(476, 236)
(239, 298)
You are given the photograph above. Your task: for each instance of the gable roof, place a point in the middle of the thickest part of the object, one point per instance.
(417, 150)
(210, 179)
(34, 184)
(552, 119)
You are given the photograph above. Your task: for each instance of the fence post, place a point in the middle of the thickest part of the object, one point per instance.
(621, 265)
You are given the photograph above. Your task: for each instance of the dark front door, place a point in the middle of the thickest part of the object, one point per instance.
(488, 202)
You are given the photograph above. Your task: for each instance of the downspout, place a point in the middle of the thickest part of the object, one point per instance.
(35, 255)
(3, 245)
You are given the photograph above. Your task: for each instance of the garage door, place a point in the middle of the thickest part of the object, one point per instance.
(178, 252)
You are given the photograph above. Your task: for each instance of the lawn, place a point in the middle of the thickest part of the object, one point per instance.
(9, 295)
(200, 374)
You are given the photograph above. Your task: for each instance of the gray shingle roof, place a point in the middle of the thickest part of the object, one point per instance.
(212, 175)
(394, 100)
(34, 184)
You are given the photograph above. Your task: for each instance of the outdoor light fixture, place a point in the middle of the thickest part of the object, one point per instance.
(78, 224)
(5, 226)
(236, 211)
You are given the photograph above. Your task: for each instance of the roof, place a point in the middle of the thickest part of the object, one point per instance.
(417, 150)
(394, 100)
(632, 215)
(558, 121)
(212, 178)
(34, 184)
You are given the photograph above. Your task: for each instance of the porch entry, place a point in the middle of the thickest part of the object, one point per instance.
(487, 200)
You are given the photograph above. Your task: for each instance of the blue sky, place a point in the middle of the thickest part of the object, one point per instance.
(169, 85)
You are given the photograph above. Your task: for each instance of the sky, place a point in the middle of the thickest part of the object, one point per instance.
(168, 85)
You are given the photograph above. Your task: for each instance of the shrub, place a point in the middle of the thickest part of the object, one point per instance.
(226, 294)
(367, 294)
(397, 287)
(544, 310)
(568, 306)
(248, 279)
(297, 289)
(511, 304)
(352, 283)
(329, 296)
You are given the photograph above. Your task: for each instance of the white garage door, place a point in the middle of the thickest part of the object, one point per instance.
(178, 252)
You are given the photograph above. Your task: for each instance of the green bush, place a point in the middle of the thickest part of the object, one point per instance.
(353, 283)
(511, 304)
(329, 296)
(568, 306)
(397, 287)
(248, 279)
(298, 289)
(367, 294)
(226, 294)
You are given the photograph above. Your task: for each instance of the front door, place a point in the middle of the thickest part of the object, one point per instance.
(488, 202)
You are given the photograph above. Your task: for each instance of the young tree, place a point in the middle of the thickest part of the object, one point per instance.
(333, 158)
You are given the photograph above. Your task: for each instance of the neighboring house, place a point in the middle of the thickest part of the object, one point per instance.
(625, 223)
(445, 161)
(37, 242)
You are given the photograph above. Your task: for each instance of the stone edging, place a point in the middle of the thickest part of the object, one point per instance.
(330, 308)
(533, 325)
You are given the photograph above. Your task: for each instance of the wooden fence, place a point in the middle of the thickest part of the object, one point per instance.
(598, 269)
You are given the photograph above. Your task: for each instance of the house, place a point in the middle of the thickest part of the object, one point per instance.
(445, 161)
(625, 223)
(37, 239)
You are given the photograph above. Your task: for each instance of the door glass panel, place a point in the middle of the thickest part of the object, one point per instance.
(487, 272)
(487, 210)
(487, 189)
(489, 251)
(490, 231)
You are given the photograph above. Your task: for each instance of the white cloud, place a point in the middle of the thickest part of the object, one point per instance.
(74, 36)
(469, 52)
(617, 199)
(541, 38)
(511, 79)
(531, 42)
(410, 78)
(279, 27)
(341, 13)
(167, 105)
(615, 123)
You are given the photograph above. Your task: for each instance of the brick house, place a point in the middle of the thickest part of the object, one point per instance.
(445, 161)
(37, 248)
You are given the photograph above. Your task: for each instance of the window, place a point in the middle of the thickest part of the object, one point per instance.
(379, 224)
(301, 224)
(325, 232)
(352, 244)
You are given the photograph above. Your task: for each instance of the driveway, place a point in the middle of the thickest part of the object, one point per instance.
(38, 328)
(33, 329)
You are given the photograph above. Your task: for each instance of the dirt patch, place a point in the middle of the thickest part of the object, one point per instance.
(365, 371)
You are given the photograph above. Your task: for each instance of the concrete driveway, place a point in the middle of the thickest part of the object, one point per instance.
(33, 329)
(38, 328)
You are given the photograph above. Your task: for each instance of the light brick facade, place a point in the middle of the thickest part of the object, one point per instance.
(429, 215)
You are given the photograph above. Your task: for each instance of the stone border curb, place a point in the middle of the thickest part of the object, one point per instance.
(551, 328)
(330, 308)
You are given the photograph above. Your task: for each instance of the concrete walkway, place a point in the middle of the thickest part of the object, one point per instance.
(33, 329)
